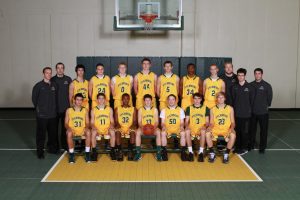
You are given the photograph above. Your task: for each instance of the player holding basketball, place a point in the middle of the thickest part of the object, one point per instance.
(99, 83)
(172, 122)
(221, 124)
(102, 123)
(148, 115)
(167, 84)
(121, 83)
(125, 119)
(212, 86)
(196, 122)
(189, 85)
(145, 83)
(79, 85)
(77, 124)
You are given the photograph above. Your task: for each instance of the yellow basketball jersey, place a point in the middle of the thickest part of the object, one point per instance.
(148, 116)
(122, 86)
(190, 86)
(145, 84)
(172, 120)
(101, 85)
(125, 116)
(167, 86)
(83, 88)
(77, 120)
(197, 116)
(212, 88)
(222, 121)
(102, 118)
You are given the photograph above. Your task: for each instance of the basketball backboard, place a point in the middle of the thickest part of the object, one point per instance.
(148, 14)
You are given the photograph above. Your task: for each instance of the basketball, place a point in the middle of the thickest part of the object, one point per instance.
(148, 129)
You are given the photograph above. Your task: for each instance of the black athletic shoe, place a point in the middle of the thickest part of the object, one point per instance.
(200, 157)
(87, 157)
(71, 158)
(40, 154)
(120, 156)
(183, 156)
(94, 156)
(164, 155)
(130, 155)
(242, 152)
(112, 154)
(226, 158)
(261, 151)
(211, 157)
(191, 157)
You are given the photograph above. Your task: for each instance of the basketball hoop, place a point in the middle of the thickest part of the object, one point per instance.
(148, 20)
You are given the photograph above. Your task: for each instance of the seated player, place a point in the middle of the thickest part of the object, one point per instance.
(221, 124)
(125, 119)
(147, 115)
(172, 122)
(196, 121)
(102, 123)
(77, 123)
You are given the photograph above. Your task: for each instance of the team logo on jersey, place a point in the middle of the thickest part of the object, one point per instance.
(246, 90)
(261, 88)
(66, 83)
(53, 88)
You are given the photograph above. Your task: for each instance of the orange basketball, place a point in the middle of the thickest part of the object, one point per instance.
(148, 129)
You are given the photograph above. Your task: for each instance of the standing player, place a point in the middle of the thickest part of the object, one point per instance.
(121, 84)
(77, 124)
(212, 86)
(167, 84)
(125, 118)
(229, 79)
(145, 83)
(100, 83)
(102, 123)
(79, 85)
(147, 115)
(221, 124)
(189, 85)
(172, 122)
(196, 121)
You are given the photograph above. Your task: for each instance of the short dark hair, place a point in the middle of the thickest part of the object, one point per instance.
(78, 95)
(146, 59)
(197, 94)
(99, 64)
(221, 93)
(168, 62)
(259, 70)
(100, 94)
(228, 63)
(172, 95)
(79, 66)
(147, 96)
(125, 94)
(46, 68)
(122, 63)
(59, 63)
(241, 71)
(191, 64)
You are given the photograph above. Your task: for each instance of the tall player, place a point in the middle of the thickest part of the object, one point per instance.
(167, 84)
(77, 124)
(121, 83)
(189, 85)
(125, 119)
(212, 86)
(221, 124)
(147, 115)
(172, 123)
(145, 83)
(79, 85)
(99, 83)
(196, 122)
(102, 123)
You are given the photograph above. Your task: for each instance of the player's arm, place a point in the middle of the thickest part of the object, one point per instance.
(182, 117)
(163, 120)
(211, 121)
(117, 124)
(232, 126)
(135, 85)
(187, 117)
(134, 122)
(71, 93)
(155, 82)
(111, 116)
(67, 120)
(131, 84)
(92, 119)
(90, 88)
(112, 86)
(181, 87)
(155, 119)
(177, 85)
(140, 118)
(158, 87)
(200, 83)
(223, 89)
(204, 87)
(87, 120)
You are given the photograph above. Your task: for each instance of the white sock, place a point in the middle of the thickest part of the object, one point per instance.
(87, 149)
(201, 149)
(71, 150)
(226, 155)
(190, 149)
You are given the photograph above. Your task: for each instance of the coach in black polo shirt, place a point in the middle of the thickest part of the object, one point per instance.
(62, 81)
(44, 101)
(229, 79)
(262, 102)
(242, 100)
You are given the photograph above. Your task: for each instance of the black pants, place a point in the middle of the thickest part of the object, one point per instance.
(63, 136)
(49, 126)
(263, 121)
(242, 133)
